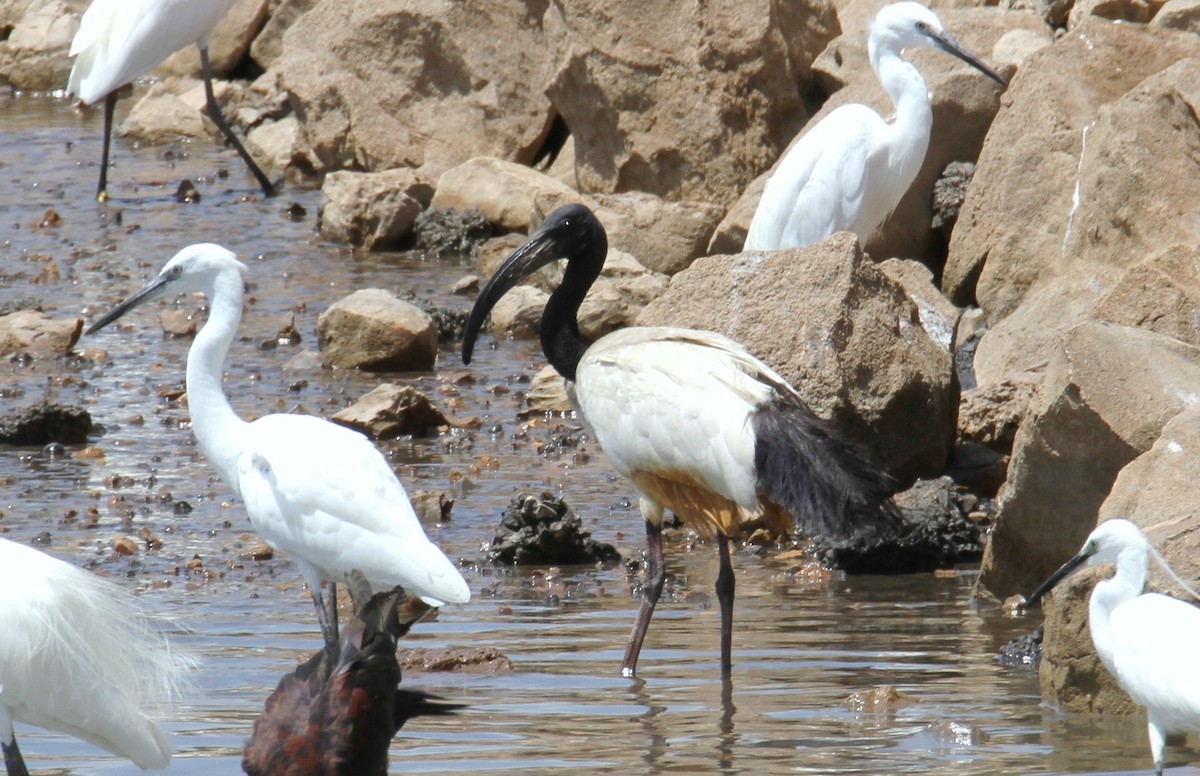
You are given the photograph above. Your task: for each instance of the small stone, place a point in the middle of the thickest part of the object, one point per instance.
(877, 700)
(257, 551)
(123, 545)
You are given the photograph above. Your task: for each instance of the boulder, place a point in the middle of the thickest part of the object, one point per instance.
(32, 332)
(964, 103)
(937, 314)
(1179, 15)
(686, 102)
(372, 210)
(33, 54)
(503, 191)
(390, 411)
(396, 83)
(542, 530)
(268, 45)
(839, 330)
(373, 330)
(162, 115)
(1020, 220)
(1107, 393)
(281, 145)
(45, 423)
(228, 45)
(1135, 11)
(519, 312)
(663, 236)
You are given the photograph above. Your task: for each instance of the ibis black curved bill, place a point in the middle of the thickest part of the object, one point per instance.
(553, 240)
(955, 49)
(150, 291)
(1058, 576)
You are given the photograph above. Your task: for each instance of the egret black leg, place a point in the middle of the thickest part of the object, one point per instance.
(214, 113)
(13, 761)
(655, 576)
(110, 105)
(328, 621)
(725, 586)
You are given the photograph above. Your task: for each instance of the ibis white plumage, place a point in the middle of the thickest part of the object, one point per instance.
(121, 40)
(698, 424)
(1147, 641)
(850, 171)
(318, 491)
(80, 655)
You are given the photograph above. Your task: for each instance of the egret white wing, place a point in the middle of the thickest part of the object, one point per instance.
(325, 494)
(1153, 636)
(818, 188)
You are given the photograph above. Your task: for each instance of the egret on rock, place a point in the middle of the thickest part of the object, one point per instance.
(850, 171)
(698, 424)
(318, 491)
(80, 655)
(121, 40)
(1147, 641)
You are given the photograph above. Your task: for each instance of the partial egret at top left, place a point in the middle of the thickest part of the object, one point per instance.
(122, 40)
(318, 491)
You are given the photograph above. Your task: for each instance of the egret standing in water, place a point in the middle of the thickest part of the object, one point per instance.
(1147, 641)
(698, 424)
(318, 491)
(122, 40)
(850, 171)
(79, 655)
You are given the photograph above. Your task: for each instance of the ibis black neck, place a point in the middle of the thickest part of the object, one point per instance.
(559, 330)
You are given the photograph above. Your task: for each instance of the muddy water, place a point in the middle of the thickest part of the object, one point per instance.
(801, 647)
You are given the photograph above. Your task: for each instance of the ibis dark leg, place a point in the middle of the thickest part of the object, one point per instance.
(327, 617)
(725, 586)
(110, 105)
(13, 761)
(214, 113)
(655, 576)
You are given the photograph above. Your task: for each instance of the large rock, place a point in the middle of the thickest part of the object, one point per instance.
(267, 47)
(417, 83)
(964, 103)
(664, 236)
(1158, 491)
(390, 411)
(1107, 393)
(1133, 209)
(33, 54)
(35, 333)
(1045, 202)
(373, 330)
(503, 191)
(687, 102)
(372, 210)
(228, 45)
(839, 330)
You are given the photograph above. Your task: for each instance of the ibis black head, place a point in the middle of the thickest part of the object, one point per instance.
(573, 233)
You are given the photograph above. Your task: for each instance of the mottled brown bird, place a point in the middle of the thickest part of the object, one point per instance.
(338, 718)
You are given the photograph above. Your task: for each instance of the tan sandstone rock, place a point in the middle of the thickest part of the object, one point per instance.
(373, 210)
(228, 45)
(38, 334)
(1107, 393)
(687, 102)
(373, 330)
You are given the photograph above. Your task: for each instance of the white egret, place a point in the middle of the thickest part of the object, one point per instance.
(850, 171)
(122, 40)
(697, 423)
(80, 655)
(1147, 641)
(318, 491)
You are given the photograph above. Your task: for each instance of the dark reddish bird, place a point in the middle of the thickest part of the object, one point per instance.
(337, 717)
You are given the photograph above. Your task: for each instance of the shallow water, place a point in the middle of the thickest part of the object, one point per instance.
(799, 648)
